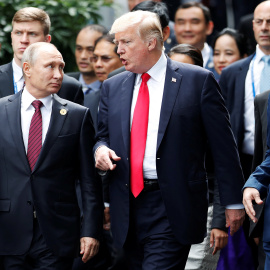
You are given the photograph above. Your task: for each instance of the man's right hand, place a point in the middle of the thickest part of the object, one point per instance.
(249, 195)
(104, 157)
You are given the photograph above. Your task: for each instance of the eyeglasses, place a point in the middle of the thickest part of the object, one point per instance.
(104, 58)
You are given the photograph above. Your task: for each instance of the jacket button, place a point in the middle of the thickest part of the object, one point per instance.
(29, 202)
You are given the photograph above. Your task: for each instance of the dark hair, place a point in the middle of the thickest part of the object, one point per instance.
(205, 10)
(156, 7)
(188, 50)
(95, 27)
(240, 41)
(109, 38)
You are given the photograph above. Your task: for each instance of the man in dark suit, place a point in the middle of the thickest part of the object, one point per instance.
(260, 148)
(40, 161)
(257, 187)
(30, 25)
(158, 184)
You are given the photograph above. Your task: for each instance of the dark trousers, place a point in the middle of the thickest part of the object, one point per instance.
(38, 257)
(266, 247)
(151, 243)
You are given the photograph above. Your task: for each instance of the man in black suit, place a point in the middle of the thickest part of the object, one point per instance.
(30, 25)
(40, 225)
(85, 44)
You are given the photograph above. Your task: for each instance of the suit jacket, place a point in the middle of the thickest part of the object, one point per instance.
(71, 89)
(50, 187)
(91, 101)
(260, 143)
(232, 83)
(75, 75)
(260, 148)
(192, 105)
(260, 179)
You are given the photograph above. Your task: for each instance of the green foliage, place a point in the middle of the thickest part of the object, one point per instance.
(67, 18)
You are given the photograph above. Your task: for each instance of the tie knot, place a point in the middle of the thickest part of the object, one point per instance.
(145, 77)
(37, 104)
(266, 59)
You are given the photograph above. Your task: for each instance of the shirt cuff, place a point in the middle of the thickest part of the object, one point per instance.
(235, 206)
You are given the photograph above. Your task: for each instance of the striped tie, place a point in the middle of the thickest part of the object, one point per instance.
(35, 135)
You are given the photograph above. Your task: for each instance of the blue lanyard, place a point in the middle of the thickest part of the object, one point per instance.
(15, 86)
(252, 75)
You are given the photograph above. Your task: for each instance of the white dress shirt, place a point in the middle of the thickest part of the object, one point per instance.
(156, 87)
(27, 112)
(249, 120)
(206, 51)
(18, 79)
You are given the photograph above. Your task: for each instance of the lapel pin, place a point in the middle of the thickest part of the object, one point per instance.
(173, 80)
(63, 111)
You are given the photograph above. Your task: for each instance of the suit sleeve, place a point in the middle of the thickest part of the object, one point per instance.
(102, 136)
(91, 186)
(219, 219)
(216, 122)
(258, 144)
(260, 178)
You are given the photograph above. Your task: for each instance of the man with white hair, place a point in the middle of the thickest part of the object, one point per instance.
(45, 147)
(155, 120)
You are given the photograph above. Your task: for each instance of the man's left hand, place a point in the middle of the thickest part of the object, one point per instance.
(89, 248)
(234, 219)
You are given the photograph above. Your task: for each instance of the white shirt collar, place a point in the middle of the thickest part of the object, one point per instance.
(259, 54)
(205, 53)
(155, 71)
(27, 100)
(17, 71)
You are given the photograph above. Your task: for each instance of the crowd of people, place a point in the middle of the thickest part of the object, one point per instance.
(148, 156)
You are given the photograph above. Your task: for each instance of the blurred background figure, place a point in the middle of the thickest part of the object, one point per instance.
(105, 58)
(186, 53)
(85, 44)
(229, 46)
(192, 26)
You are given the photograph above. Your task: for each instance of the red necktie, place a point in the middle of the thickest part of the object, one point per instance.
(138, 137)
(35, 135)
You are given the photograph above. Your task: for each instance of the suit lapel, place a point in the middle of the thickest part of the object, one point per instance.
(6, 81)
(241, 80)
(13, 114)
(171, 89)
(55, 126)
(126, 98)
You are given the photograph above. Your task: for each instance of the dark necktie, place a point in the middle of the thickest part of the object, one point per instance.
(138, 137)
(35, 135)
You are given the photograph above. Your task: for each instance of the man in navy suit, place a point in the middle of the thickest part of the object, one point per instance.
(257, 187)
(40, 224)
(160, 212)
(30, 25)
